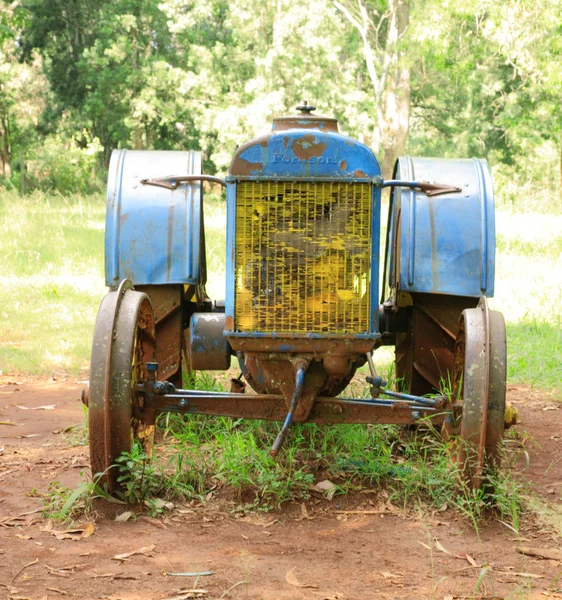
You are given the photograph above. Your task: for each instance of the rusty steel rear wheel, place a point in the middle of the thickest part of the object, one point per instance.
(124, 341)
(480, 387)
(424, 353)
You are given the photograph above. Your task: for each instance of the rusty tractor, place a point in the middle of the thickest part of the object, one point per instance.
(304, 308)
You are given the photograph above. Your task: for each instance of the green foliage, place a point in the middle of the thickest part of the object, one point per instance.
(484, 80)
(138, 476)
(64, 166)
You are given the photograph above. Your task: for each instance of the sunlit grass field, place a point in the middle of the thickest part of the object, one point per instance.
(51, 284)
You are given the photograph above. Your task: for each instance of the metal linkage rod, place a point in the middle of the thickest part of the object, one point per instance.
(382, 402)
(435, 402)
(299, 382)
(427, 187)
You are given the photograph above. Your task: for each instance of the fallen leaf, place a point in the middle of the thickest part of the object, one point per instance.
(144, 550)
(44, 407)
(61, 592)
(269, 523)
(28, 435)
(304, 513)
(244, 536)
(191, 574)
(154, 522)
(186, 594)
(548, 553)
(88, 531)
(467, 557)
(424, 545)
(63, 571)
(8, 423)
(76, 533)
(124, 516)
(550, 408)
(530, 575)
(326, 486)
(441, 548)
(65, 429)
(291, 579)
(21, 536)
(389, 575)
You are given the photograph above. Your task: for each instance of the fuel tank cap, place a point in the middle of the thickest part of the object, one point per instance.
(305, 120)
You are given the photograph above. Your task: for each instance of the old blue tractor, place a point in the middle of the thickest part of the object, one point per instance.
(304, 305)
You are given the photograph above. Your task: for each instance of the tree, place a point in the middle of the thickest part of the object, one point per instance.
(383, 30)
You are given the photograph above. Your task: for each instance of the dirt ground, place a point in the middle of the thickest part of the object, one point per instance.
(312, 553)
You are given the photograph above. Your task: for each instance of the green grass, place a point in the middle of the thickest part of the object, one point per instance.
(51, 280)
(529, 293)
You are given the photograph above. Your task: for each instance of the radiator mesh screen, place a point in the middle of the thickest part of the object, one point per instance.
(303, 255)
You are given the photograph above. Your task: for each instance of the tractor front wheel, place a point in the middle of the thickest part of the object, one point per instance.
(479, 385)
(124, 341)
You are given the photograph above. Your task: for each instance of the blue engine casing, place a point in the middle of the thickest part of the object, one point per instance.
(443, 244)
(153, 235)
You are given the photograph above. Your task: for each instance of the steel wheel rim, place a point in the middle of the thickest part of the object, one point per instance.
(479, 387)
(124, 341)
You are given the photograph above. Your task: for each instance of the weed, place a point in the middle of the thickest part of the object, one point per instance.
(63, 503)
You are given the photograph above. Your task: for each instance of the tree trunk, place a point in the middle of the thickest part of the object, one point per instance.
(396, 99)
(389, 74)
(5, 148)
(560, 190)
(137, 127)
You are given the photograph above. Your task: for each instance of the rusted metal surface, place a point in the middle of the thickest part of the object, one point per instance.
(424, 353)
(479, 379)
(273, 408)
(208, 347)
(153, 234)
(307, 146)
(166, 303)
(447, 240)
(266, 373)
(300, 370)
(427, 187)
(171, 182)
(304, 146)
(305, 120)
(280, 374)
(124, 342)
(337, 346)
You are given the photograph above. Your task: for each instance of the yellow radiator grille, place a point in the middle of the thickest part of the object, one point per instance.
(303, 255)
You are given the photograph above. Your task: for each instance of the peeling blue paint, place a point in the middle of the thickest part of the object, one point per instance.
(447, 242)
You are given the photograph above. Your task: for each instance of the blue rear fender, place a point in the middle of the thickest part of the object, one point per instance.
(442, 244)
(153, 235)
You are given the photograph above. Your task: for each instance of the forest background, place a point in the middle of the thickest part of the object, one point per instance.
(444, 78)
